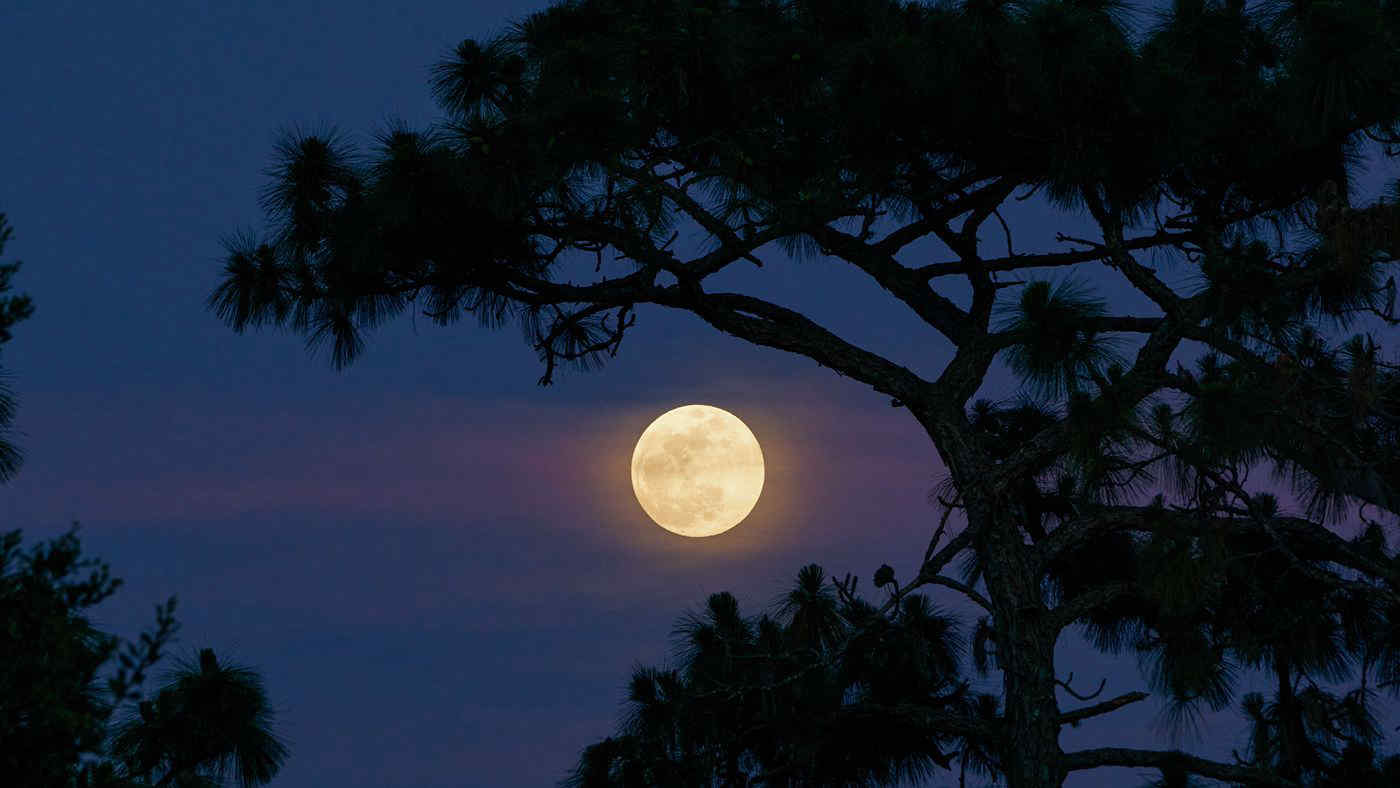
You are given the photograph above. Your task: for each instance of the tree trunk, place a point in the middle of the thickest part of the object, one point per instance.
(1025, 640)
(1031, 714)
(1293, 754)
(1025, 647)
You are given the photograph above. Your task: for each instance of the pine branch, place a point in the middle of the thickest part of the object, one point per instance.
(1104, 707)
(930, 569)
(1123, 756)
(968, 591)
(933, 217)
(1049, 260)
(1316, 539)
(901, 282)
(1083, 604)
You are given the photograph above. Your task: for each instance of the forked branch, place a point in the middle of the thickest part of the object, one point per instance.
(1078, 715)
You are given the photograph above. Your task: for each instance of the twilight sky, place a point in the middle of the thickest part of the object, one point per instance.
(438, 566)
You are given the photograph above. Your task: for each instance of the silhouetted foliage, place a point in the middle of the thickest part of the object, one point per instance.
(850, 129)
(66, 687)
(824, 691)
(210, 721)
(13, 309)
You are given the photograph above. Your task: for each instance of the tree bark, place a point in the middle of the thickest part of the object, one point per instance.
(1025, 631)
(1292, 737)
(1025, 646)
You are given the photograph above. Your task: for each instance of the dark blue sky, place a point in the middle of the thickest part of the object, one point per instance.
(438, 566)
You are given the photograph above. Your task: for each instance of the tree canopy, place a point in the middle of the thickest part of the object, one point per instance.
(833, 689)
(830, 690)
(850, 129)
(71, 703)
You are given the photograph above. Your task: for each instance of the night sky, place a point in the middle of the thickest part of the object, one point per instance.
(438, 566)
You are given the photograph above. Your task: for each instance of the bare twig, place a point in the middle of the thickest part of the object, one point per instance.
(1066, 687)
(938, 534)
(968, 591)
(1007, 231)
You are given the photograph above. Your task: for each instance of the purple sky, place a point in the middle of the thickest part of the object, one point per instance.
(438, 566)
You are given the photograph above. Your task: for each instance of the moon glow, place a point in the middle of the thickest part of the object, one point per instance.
(697, 470)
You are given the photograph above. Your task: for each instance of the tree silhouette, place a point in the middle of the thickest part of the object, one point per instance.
(56, 712)
(823, 692)
(55, 706)
(13, 309)
(60, 719)
(211, 720)
(853, 128)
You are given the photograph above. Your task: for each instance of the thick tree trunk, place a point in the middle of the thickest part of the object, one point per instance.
(1025, 639)
(1026, 658)
(1025, 648)
(1291, 734)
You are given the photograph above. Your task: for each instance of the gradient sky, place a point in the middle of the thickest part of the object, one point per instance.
(438, 566)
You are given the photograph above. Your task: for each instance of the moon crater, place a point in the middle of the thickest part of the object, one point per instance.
(697, 470)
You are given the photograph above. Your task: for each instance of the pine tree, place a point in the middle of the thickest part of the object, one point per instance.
(850, 129)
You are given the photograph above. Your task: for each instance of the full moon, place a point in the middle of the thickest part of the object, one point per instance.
(697, 470)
